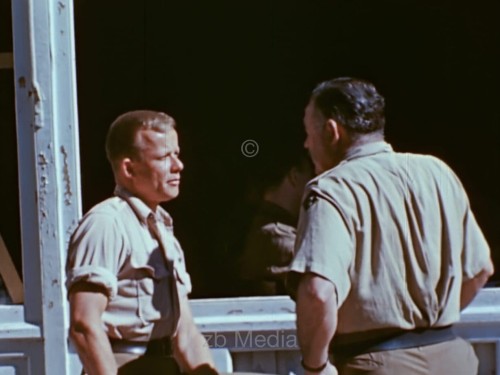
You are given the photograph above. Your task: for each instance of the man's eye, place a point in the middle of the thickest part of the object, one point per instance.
(170, 154)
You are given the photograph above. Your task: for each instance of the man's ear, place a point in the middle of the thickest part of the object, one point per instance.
(333, 130)
(126, 168)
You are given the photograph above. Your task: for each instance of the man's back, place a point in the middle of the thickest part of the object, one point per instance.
(387, 249)
(405, 215)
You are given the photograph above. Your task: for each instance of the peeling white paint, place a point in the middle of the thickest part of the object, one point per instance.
(60, 6)
(67, 178)
(42, 159)
(36, 96)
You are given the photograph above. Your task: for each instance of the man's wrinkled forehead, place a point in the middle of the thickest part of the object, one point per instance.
(147, 138)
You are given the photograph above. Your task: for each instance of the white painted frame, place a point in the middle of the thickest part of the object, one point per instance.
(33, 337)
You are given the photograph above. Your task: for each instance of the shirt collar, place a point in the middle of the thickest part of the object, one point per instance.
(141, 209)
(368, 149)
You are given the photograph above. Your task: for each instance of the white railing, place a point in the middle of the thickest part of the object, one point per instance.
(258, 334)
(250, 334)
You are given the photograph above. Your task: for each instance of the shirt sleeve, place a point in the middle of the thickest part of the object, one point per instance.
(324, 245)
(268, 252)
(184, 285)
(476, 252)
(94, 253)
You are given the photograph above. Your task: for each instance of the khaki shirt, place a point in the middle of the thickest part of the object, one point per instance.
(268, 250)
(114, 248)
(395, 234)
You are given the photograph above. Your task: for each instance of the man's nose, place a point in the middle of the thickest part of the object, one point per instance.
(177, 164)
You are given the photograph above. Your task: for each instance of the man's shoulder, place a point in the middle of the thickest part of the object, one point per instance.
(329, 179)
(112, 206)
(425, 162)
(112, 209)
(422, 158)
(343, 179)
(356, 168)
(102, 220)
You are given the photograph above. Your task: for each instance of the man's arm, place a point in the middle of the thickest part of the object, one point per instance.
(87, 303)
(472, 286)
(191, 350)
(316, 320)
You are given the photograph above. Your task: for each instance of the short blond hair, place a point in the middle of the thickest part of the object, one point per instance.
(122, 141)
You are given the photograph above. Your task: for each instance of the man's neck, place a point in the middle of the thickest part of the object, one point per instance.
(363, 139)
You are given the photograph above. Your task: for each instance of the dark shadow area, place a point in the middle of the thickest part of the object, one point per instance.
(229, 72)
(9, 202)
(232, 71)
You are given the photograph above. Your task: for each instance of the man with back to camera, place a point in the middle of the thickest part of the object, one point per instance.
(126, 275)
(388, 250)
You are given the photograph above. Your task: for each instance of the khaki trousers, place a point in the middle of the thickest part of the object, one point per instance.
(455, 357)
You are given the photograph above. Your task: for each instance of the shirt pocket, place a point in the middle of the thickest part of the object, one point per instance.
(153, 294)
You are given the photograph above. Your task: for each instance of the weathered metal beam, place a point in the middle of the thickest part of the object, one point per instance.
(48, 159)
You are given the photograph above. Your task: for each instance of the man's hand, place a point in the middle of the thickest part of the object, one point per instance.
(472, 286)
(329, 370)
(191, 350)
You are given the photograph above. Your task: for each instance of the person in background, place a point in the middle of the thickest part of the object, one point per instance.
(388, 250)
(269, 241)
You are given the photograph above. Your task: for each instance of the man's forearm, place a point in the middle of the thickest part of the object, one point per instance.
(191, 350)
(94, 351)
(472, 286)
(316, 318)
(87, 304)
(196, 357)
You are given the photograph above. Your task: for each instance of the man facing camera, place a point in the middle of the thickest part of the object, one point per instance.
(126, 275)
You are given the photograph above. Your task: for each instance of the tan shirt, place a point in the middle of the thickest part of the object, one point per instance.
(269, 243)
(395, 234)
(114, 248)
(268, 250)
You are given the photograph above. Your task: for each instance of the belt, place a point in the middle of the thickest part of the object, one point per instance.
(159, 347)
(398, 340)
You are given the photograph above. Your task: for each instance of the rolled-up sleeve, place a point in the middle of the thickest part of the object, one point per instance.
(323, 245)
(94, 253)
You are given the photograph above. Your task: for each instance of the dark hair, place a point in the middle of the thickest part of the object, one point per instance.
(121, 140)
(299, 159)
(271, 173)
(352, 102)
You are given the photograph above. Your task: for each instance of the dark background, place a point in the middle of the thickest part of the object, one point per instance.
(232, 71)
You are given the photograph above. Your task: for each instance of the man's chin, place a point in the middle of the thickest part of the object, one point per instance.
(171, 194)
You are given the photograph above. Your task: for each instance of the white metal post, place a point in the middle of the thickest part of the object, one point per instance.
(48, 155)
